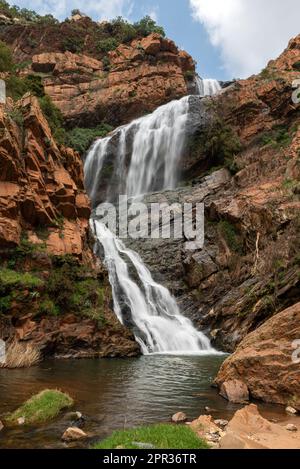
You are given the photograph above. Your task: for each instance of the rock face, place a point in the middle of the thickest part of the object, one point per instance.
(40, 184)
(235, 391)
(264, 360)
(90, 84)
(44, 225)
(142, 76)
(249, 430)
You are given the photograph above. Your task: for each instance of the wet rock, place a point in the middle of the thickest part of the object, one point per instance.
(291, 428)
(249, 430)
(21, 421)
(74, 434)
(221, 423)
(1, 426)
(291, 410)
(235, 391)
(180, 417)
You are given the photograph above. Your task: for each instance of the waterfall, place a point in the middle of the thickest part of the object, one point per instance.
(159, 326)
(207, 86)
(153, 144)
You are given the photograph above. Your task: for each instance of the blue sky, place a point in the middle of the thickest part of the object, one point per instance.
(227, 38)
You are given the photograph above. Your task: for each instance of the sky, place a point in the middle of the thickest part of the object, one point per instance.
(227, 38)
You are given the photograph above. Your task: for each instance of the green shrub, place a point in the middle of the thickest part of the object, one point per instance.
(81, 139)
(54, 117)
(218, 144)
(49, 308)
(73, 44)
(160, 436)
(107, 44)
(11, 278)
(147, 25)
(230, 235)
(296, 66)
(106, 63)
(122, 30)
(6, 58)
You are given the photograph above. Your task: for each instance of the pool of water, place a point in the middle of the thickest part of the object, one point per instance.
(114, 394)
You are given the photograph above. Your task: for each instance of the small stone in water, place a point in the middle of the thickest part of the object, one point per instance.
(21, 421)
(291, 410)
(73, 434)
(207, 409)
(291, 428)
(1, 426)
(180, 417)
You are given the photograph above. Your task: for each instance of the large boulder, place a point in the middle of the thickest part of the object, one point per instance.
(266, 360)
(249, 430)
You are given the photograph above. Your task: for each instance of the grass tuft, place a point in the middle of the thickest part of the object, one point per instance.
(42, 407)
(161, 436)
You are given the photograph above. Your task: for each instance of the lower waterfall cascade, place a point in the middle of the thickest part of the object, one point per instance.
(155, 143)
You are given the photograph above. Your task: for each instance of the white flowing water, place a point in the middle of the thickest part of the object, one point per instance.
(207, 86)
(155, 143)
(160, 327)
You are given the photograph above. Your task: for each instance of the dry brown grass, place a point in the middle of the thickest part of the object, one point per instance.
(20, 355)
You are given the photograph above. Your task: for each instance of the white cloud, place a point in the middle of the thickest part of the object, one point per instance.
(154, 13)
(98, 9)
(248, 32)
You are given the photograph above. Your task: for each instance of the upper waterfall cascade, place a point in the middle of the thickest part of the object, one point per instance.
(154, 144)
(207, 86)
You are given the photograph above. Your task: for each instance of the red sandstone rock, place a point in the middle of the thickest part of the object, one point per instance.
(264, 360)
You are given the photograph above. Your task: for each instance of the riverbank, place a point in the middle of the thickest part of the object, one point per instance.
(118, 394)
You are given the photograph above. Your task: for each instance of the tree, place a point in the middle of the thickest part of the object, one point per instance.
(147, 26)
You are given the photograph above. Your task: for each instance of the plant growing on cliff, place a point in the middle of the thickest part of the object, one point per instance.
(106, 45)
(81, 138)
(217, 145)
(6, 59)
(147, 25)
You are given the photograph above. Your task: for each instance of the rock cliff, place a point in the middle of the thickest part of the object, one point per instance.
(54, 294)
(91, 83)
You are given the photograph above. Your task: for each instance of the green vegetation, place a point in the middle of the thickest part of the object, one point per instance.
(231, 237)
(189, 75)
(42, 407)
(10, 278)
(296, 66)
(6, 59)
(25, 14)
(160, 436)
(218, 145)
(106, 45)
(70, 286)
(55, 119)
(279, 137)
(73, 43)
(147, 26)
(81, 139)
